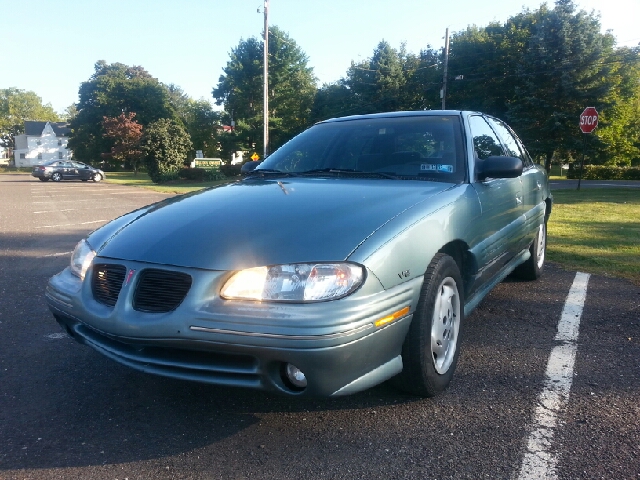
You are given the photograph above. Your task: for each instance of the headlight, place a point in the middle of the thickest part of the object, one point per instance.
(300, 282)
(81, 259)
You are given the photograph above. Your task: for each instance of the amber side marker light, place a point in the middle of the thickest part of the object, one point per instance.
(391, 318)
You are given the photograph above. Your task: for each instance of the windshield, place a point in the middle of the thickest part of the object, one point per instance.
(425, 147)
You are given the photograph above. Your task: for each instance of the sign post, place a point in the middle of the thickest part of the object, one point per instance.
(588, 123)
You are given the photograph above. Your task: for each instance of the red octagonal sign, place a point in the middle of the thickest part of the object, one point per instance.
(588, 120)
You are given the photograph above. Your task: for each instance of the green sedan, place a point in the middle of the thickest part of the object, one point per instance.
(349, 257)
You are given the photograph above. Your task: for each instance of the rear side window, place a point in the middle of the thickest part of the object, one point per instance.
(512, 145)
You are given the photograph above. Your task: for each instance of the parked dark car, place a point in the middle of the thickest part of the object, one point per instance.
(59, 170)
(348, 257)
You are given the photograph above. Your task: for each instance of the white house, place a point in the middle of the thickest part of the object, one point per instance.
(41, 142)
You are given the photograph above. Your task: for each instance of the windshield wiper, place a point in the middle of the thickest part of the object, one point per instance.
(270, 171)
(348, 171)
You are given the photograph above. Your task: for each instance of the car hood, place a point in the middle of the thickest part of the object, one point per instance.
(261, 222)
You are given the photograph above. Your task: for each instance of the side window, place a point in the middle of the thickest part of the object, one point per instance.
(485, 141)
(512, 145)
(528, 161)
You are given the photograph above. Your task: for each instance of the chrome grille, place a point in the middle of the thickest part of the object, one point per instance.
(160, 291)
(107, 282)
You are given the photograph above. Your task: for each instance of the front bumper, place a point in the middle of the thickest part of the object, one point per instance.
(246, 344)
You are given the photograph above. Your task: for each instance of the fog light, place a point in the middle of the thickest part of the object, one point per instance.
(295, 376)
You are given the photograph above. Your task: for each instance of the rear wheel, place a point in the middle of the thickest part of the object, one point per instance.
(532, 268)
(431, 349)
(43, 179)
(56, 177)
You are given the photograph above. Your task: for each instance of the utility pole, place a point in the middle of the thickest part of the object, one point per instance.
(443, 92)
(266, 80)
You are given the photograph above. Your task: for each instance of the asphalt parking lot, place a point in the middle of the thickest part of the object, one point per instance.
(547, 385)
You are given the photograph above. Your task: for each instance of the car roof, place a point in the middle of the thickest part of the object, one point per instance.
(416, 113)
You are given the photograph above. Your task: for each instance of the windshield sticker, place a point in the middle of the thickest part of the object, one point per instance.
(430, 167)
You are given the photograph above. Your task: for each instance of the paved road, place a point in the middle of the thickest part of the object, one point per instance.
(573, 184)
(67, 412)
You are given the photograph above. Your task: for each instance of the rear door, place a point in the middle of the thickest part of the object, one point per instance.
(532, 179)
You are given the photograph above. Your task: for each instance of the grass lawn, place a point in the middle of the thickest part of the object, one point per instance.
(596, 230)
(143, 180)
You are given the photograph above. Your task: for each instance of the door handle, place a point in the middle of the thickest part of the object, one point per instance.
(519, 200)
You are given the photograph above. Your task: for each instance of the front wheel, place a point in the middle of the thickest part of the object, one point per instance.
(97, 177)
(532, 268)
(432, 346)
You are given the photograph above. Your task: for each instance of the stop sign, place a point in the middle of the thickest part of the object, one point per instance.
(588, 120)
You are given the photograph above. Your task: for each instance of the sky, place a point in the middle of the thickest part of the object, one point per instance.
(51, 47)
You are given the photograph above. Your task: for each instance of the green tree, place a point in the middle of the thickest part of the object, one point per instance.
(560, 73)
(390, 80)
(203, 123)
(483, 65)
(377, 83)
(165, 146)
(619, 124)
(423, 80)
(114, 89)
(291, 86)
(332, 100)
(69, 113)
(18, 106)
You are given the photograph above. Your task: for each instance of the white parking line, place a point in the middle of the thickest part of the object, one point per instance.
(61, 254)
(72, 224)
(62, 201)
(540, 461)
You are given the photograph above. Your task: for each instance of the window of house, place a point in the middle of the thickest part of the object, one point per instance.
(39, 156)
(60, 155)
(23, 156)
(38, 142)
(59, 142)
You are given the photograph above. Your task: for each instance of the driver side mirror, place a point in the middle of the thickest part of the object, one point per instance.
(499, 167)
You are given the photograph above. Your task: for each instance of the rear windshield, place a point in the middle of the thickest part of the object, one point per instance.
(424, 147)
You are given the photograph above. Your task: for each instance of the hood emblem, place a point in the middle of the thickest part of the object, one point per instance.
(129, 275)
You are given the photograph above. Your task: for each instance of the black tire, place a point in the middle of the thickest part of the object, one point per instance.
(43, 179)
(56, 177)
(428, 365)
(532, 268)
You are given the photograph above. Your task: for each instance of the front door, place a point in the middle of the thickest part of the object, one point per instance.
(501, 202)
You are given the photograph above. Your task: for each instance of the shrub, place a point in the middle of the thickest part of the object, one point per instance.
(603, 172)
(230, 170)
(194, 174)
(167, 176)
(201, 174)
(165, 146)
(214, 174)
